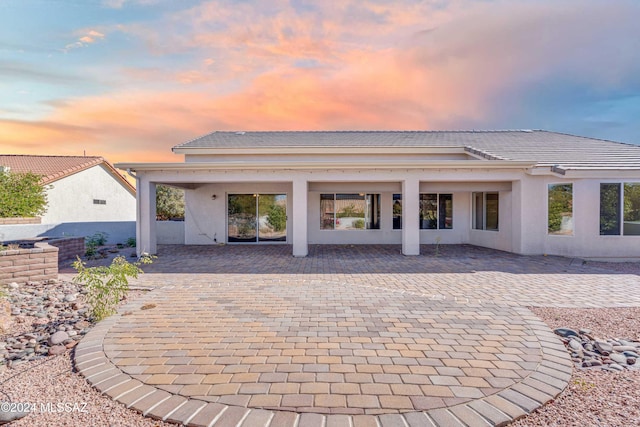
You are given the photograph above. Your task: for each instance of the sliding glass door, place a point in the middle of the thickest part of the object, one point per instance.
(254, 218)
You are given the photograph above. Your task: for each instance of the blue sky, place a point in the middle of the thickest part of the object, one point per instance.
(128, 79)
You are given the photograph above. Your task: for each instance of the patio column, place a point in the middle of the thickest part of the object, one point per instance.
(410, 216)
(146, 230)
(300, 209)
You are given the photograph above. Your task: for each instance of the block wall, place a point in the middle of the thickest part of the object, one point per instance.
(24, 265)
(68, 247)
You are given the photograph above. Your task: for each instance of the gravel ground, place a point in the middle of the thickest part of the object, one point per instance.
(593, 397)
(53, 381)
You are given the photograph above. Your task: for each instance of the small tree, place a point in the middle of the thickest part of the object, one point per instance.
(169, 203)
(106, 286)
(21, 195)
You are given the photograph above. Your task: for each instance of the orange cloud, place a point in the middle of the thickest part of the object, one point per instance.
(427, 69)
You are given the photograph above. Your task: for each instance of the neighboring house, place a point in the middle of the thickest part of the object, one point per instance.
(85, 195)
(528, 192)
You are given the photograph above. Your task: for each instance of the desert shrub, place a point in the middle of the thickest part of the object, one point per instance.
(107, 286)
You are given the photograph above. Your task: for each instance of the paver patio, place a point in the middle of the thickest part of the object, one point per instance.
(350, 335)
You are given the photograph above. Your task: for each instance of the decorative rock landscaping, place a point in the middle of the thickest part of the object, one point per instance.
(590, 352)
(50, 317)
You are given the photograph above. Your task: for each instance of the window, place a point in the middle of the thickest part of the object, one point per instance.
(560, 209)
(609, 209)
(436, 211)
(397, 211)
(620, 209)
(349, 211)
(99, 202)
(631, 213)
(485, 211)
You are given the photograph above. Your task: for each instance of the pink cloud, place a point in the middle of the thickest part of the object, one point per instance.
(383, 67)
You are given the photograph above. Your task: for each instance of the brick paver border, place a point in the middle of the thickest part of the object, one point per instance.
(545, 382)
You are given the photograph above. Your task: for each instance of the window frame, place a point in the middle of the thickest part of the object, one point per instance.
(396, 198)
(440, 207)
(376, 208)
(620, 214)
(549, 185)
(474, 217)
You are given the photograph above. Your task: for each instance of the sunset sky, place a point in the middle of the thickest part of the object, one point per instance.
(129, 79)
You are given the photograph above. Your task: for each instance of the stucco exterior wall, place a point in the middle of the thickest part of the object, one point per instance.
(206, 219)
(70, 199)
(586, 241)
(522, 217)
(170, 232)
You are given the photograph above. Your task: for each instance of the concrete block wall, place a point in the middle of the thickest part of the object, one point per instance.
(20, 220)
(68, 247)
(24, 265)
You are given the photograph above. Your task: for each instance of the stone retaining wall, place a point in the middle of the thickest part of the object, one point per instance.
(23, 265)
(68, 247)
(20, 220)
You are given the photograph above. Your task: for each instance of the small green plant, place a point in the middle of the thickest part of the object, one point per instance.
(92, 243)
(131, 242)
(584, 384)
(438, 240)
(107, 286)
(98, 239)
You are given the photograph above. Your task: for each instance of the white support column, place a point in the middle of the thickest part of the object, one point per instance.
(146, 230)
(300, 212)
(410, 216)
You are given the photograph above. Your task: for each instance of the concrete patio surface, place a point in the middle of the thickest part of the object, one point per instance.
(348, 336)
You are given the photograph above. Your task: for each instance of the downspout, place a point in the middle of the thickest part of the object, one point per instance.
(138, 207)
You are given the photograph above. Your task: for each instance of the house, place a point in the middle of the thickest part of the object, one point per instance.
(85, 195)
(522, 191)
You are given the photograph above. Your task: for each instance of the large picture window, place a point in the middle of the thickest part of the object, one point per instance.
(436, 211)
(485, 211)
(620, 209)
(560, 209)
(349, 211)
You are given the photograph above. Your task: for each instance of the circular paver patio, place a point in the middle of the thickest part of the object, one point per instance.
(265, 351)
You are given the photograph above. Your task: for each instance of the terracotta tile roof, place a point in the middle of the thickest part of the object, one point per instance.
(53, 168)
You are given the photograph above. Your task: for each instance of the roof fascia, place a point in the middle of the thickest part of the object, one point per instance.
(97, 162)
(48, 179)
(125, 183)
(322, 149)
(586, 172)
(385, 164)
(603, 173)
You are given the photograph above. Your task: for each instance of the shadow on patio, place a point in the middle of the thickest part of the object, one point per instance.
(361, 259)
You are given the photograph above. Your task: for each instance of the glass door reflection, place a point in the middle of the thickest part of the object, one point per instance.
(255, 218)
(272, 217)
(241, 218)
